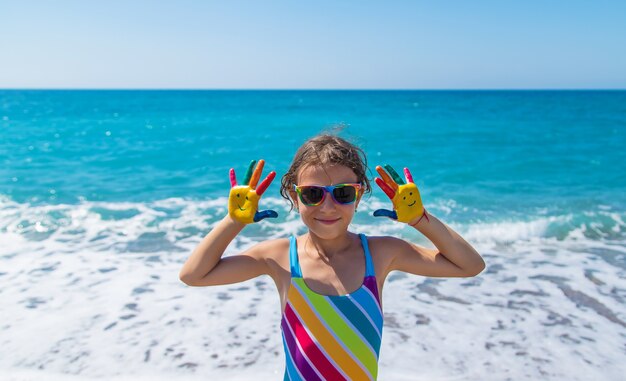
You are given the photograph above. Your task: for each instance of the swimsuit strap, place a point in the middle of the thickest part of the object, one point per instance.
(294, 263)
(369, 266)
(293, 258)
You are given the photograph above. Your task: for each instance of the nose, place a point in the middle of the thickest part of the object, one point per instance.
(328, 203)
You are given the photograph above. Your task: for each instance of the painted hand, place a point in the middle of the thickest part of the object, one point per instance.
(243, 201)
(407, 203)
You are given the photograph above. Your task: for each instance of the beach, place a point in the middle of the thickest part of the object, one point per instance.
(104, 194)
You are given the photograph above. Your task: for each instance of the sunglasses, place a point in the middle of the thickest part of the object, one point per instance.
(314, 195)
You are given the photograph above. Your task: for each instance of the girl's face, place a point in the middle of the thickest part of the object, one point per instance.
(329, 219)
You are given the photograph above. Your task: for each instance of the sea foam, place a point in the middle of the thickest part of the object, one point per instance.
(92, 290)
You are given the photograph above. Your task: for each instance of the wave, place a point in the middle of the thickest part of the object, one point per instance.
(586, 226)
(174, 224)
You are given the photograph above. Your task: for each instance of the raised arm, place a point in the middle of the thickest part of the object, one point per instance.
(205, 266)
(454, 257)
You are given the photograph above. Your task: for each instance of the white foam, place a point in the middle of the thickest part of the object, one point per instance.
(509, 231)
(88, 293)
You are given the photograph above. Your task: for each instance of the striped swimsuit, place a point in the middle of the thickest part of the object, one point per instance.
(331, 337)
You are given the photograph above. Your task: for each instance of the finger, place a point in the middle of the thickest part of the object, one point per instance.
(246, 179)
(386, 213)
(233, 179)
(392, 184)
(407, 174)
(386, 188)
(257, 174)
(265, 183)
(258, 216)
(394, 174)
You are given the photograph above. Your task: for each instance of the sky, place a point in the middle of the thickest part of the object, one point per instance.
(340, 44)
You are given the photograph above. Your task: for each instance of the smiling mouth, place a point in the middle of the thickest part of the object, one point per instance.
(413, 203)
(327, 222)
(240, 208)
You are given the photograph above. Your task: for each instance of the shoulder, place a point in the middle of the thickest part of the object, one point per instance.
(386, 245)
(275, 252)
(386, 251)
(383, 250)
(271, 249)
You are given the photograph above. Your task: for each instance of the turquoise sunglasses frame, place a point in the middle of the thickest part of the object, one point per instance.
(329, 189)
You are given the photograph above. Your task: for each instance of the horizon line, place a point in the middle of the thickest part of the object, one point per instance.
(300, 89)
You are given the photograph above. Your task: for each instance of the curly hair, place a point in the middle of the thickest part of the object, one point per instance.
(325, 150)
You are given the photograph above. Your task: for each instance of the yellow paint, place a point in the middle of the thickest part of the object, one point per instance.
(243, 202)
(407, 202)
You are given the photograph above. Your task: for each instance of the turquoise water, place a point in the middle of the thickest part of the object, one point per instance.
(500, 155)
(103, 195)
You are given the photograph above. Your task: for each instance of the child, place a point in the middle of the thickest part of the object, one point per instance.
(329, 279)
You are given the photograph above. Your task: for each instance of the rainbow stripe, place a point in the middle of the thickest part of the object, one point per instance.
(332, 337)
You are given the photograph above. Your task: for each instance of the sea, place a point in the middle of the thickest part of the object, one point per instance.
(105, 193)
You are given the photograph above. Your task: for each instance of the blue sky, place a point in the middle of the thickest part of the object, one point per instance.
(337, 44)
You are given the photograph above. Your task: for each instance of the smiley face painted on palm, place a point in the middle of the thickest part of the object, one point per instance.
(406, 199)
(243, 202)
(407, 202)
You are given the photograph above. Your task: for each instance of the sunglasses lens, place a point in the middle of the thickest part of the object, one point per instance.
(311, 195)
(345, 195)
